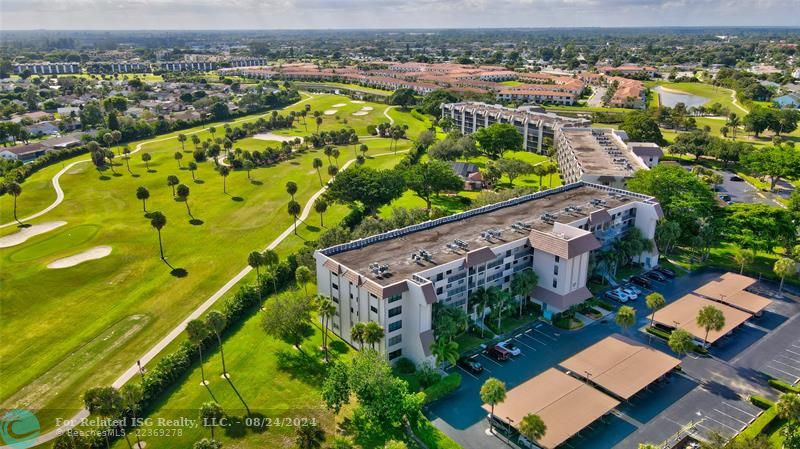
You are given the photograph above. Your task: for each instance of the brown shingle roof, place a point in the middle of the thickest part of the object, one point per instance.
(562, 247)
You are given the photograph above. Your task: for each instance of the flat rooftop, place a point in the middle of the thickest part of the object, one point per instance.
(599, 152)
(396, 250)
(683, 314)
(730, 289)
(620, 365)
(520, 113)
(565, 404)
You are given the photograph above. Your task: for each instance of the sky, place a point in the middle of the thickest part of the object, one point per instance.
(333, 14)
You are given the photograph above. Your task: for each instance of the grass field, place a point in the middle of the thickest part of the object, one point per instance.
(353, 87)
(714, 94)
(97, 317)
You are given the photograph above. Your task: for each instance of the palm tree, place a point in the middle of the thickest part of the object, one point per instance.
(373, 333)
(332, 170)
(270, 259)
(327, 310)
(532, 427)
(742, 257)
(294, 211)
(248, 165)
(445, 351)
(146, 159)
(104, 402)
(655, 301)
(493, 392)
(309, 436)
(216, 322)
(195, 140)
(317, 164)
(172, 181)
(303, 276)
(480, 300)
(183, 195)
(255, 260)
(182, 140)
(15, 190)
(213, 131)
(211, 415)
(192, 167)
(783, 267)
(143, 194)
(680, 341)
(522, 284)
(710, 318)
(733, 123)
(132, 396)
(158, 221)
(108, 139)
(178, 157)
(126, 154)
(318, 121)
(198, 332)
(335, 153)
(788, 406)
(501, 301)
(626, 317)
(320, 206)
(291, 188)
(357, 334)
(224, 172)
(363, 148)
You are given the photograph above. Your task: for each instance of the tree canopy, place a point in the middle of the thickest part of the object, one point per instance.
(642, 127)
(369, 187)
(432, 178)
(497, 138)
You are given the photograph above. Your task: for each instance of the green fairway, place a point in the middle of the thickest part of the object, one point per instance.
(524, 180)
(56, 316)
(714, 94)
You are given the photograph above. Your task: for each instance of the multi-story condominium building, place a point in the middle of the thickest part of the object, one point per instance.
(537, 94)
(119, 67)
(49, 68)
(627, 70)
(601, 156)
(249, 62)
(395, 278)
(533, 123)
(188, 66)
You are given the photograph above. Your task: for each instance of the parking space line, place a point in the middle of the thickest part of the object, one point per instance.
(537, 340)
(737, 408)
(792, 352)
(473, 376)
(546, 335)
(719, 422)
(787, 365)
(526, 345)
(781, 371)
(490, 359)
(729, 416)
(789, 359)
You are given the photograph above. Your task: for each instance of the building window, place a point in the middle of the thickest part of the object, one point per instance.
(555, 269)
(335, 299)
(395, 311)
(558, 259)
(394, 298)
(374, 309)
(395, 340)
(555, 283)
(395, 326)
(333, 284)
(395, 354)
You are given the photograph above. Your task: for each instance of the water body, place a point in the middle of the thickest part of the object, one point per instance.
(670, 98)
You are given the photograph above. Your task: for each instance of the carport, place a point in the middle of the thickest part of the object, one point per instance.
(683, 314)
(730, 289)
(620, 366)
(564, 403)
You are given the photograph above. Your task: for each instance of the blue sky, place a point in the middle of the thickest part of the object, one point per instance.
(323, 14)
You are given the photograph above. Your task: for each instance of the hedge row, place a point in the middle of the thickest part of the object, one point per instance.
(761, 402)
(445, 386)
(757, 427)
(783, 387)
(21, 173)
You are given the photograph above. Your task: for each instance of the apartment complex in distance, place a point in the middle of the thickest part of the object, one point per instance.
(601, 156)
(48, 68)
(395, 278)
(533, 123)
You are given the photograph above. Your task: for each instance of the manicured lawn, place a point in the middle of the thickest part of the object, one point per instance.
(714, 94)
(355, 87)
(66, 330)
(525, 180)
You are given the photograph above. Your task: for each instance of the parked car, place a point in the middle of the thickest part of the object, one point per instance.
(499, 353)
(665, 271)
(640, 281)
(524, 442)
(655, 276)
(509, 346)
(735, 178)
(635, 289)
(471, 365)
(617, 296)
(725, 198)
(632, 294)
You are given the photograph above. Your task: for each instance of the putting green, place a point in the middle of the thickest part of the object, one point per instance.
(66, 240)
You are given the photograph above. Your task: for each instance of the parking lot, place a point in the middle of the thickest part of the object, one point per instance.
(710, 394)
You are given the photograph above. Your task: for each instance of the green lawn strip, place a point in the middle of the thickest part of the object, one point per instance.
(524, 180)
(132, 280)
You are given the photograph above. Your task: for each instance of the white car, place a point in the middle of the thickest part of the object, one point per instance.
(632, 294)
(510, 347)
(617, 296)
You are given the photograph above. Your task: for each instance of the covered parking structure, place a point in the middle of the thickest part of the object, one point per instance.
(683, 314)
(620, 365)
(731, 289)
(565, 404)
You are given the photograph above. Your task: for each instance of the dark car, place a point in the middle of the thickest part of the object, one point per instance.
(655, 276)
(665, 271)
(640, 281)
(735, 178)
(499, 353)
(471, 365)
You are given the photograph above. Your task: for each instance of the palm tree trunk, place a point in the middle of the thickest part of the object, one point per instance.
(295, 225)
(160, 245)
(320, 178)
(128, 440)
(222, 355)
(320, 220)
(15, 209)
(652, 318)
(224, 184)
(780, 289)
(187, 209)
(136, 432)
(202, 371)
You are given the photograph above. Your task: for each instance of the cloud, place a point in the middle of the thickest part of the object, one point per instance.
(307, 14)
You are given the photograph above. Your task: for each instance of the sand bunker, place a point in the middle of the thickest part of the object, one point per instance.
(360, 113)
(330, 112)
(98, 252)
(276, 137)
(31, 231)
(339, 105)
(367, 108)
(356, 101)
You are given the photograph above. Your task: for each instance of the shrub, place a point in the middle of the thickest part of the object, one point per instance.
(427, 375)
(405, 366)
(442, 388)
(783, 386)
(761, 402)
(372, 130)
(757, 427)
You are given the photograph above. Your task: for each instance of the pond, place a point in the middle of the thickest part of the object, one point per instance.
(670, 98)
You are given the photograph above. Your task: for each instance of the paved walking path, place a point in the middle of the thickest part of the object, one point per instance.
(133, 370)
(60, 193)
